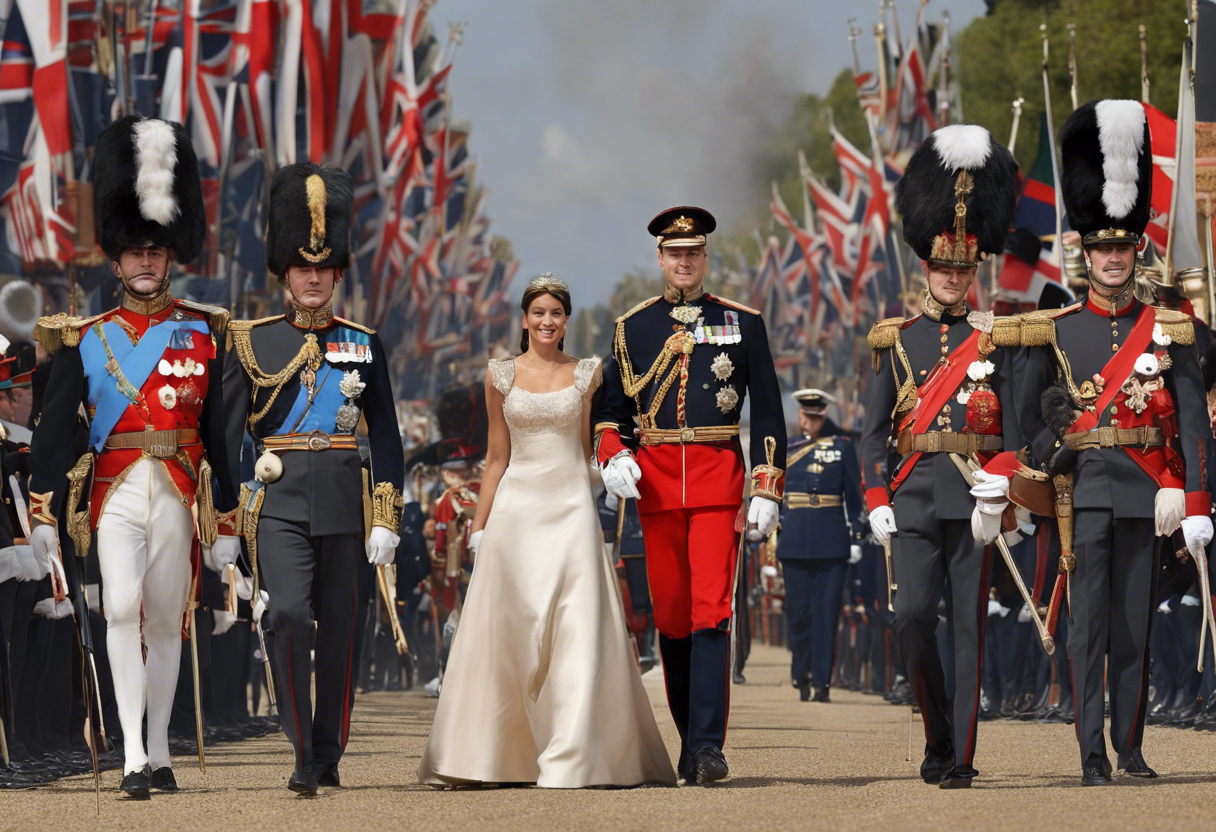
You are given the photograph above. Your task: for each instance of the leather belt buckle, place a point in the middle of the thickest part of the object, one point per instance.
(813, 499)
(161, 444)
(1106, 437)
(688, 435)
(318, 441)
(934, 442)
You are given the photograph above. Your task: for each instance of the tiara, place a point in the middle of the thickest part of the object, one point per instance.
(548, 280)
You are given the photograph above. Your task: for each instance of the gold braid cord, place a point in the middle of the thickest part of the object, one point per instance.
(309, 355)
(208, 520)
(387, 507)
(249, 507)
(678, 345)
(79, 527)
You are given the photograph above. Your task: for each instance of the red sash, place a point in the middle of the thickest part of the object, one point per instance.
(932, 396)
(1119, 367)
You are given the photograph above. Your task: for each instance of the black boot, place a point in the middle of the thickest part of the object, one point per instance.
(936, 764)
(676, 654)
(711, 765)
(958, 777)
(303, 782)
(804, 692)
(329, 776)
(1132, 763)
(136, 784)
(821, 693)
(163, 779)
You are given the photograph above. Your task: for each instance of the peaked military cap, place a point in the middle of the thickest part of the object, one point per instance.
(682, 227)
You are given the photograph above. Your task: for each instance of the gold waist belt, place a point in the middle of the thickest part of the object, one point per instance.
(162, 444)
(1112, 437)
(686, 436)
(947, 442)
(316, 441)
(798, 499)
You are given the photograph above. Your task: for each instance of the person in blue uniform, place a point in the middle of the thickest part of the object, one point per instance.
(820, 536)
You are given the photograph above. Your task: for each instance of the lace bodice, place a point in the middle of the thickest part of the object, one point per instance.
(558, 411)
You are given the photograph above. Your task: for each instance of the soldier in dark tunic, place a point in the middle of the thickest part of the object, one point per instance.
(820, 535)
(1113, 401)
(941, 397)
(299, 384)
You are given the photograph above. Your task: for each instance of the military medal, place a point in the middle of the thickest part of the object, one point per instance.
(686, 314)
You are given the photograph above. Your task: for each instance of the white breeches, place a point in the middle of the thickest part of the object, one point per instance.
(143, 544)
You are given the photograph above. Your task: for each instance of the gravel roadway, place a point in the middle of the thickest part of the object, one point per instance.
(794, 765)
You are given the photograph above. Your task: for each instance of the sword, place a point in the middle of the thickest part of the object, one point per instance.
(734, 590)
(389, 603)
(1205, 588)
(198, 703)
(3, 743)
(266, 664)
(891, 587)
(967, 467)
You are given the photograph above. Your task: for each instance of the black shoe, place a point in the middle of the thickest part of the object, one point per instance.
(710, 764)
(958, 777)
(163, 779)
(821, 693)
(1133, 764)
(1095, 774)
(329, 777)
(303, 782)
(935, 766)
(738, 678)
(804, 693)
(136, 784)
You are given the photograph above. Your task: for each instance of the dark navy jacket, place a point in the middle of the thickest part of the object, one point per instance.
(826, 466)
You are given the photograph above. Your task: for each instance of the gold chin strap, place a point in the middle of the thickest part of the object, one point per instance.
(319, 318)
(934, 310)
(151, 305)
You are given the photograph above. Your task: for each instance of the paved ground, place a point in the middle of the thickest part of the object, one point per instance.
(795, 766)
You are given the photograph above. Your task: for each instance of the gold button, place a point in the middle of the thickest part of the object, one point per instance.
(924, 372)
(944, 337)
(1114, 423)
(1114, 347)
(1114, 410)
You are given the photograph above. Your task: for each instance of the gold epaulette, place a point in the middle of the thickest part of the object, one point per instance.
(1038, 328)
(217, 316)
(55, 332)
(245, 326)
(1177, 325)
(638, 308)
(1006, 332)
(353, 325)
(884, 333)
(734, 304)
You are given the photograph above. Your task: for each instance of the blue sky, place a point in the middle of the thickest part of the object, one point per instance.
(590, 117)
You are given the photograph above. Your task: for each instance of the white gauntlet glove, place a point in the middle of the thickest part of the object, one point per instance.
(621, 475)
(763, 513)
(854, 554)
(1169, 507)
(882, 524)
(382, 546)
(259, 606)
(991, 497)
(225, 551)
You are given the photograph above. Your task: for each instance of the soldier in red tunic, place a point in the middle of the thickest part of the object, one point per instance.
(144, 373)
(682, 364)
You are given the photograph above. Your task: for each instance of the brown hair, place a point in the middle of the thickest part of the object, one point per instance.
(545, 284)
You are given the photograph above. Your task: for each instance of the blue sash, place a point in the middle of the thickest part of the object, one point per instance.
(137, 363)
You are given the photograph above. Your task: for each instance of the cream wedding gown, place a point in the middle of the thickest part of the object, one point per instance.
(542, 685)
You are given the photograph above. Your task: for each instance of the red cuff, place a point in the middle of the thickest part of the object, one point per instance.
(876, 497)
(226, 529)
(608, 445)
(1198, 504)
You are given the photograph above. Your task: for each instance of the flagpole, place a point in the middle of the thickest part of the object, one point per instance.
(1184, 89)
(1144, 82)
(899, 39)
(1072, 63)
(944, 93)
(880, 36)
(808, 211)
(1017, 118)
(1055, 162)
(854, 34)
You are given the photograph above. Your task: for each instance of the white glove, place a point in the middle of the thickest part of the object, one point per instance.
(44, 541)
(1190, 601)
(475, 540)
(1169, 507)
(984, 525)
(225, 551)
(621, 475)
(1164, 607)
(31, 569)
(854, 554)
(882, 524)
(1197, 531)
(259, 606)
(244, 586)
(49, 608)
(990, 487)
(764, 513)
(610, 501)
(223, 622)
(1024, 616)
(382, 546)
(994, 607)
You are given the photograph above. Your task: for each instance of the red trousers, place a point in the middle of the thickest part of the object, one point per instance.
(690, 562)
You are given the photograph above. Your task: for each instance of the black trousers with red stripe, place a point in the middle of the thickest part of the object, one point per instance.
(928, 554)
(1113, 602)
(310, 579)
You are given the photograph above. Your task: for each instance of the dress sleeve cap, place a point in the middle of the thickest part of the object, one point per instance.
(589, 375)
(503, 374)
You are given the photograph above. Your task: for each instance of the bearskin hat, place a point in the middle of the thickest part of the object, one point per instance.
(958, 165)
(310, 218)
(146, 188)
(1107, 177)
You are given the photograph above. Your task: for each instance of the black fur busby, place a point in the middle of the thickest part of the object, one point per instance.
(959, 162)
(1107, 178)
(146, 188)
(310, 218)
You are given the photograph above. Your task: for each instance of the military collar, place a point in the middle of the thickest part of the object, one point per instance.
(304, 318)
(147, 306)
(1111, 307)
(672, 295)
(933, 310)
